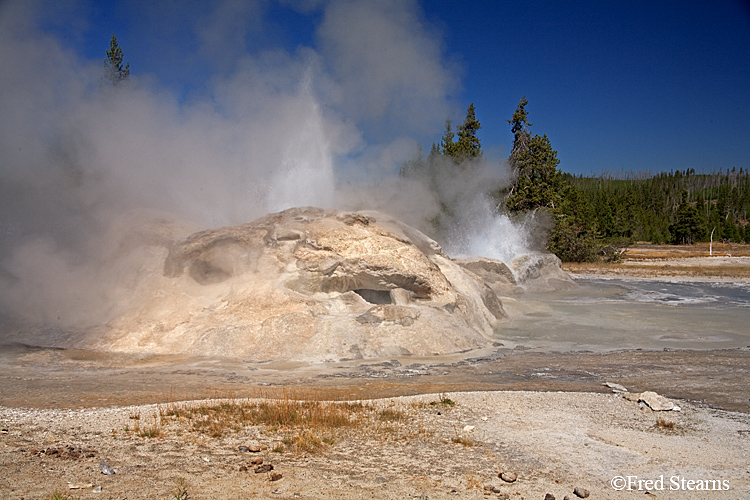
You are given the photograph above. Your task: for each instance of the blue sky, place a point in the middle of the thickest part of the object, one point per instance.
(615, 85)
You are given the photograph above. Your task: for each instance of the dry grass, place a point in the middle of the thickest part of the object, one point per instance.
(651, 270)
(671, 261)
(60, 496)
(463, 440)
(216, 419)
(650, 252)
(664, 424)
(292, 423)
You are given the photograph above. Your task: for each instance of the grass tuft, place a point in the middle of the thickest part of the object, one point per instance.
(60, 496)
(667, 425)
(181, 491)
(443, 400)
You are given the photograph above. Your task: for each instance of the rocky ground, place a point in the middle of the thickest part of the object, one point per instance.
(452, 445)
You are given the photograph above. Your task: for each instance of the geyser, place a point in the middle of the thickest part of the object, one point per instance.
(306, 284)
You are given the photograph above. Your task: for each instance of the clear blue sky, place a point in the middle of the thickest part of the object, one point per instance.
(615, 85)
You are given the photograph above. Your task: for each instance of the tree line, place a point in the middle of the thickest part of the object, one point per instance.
(593, 217)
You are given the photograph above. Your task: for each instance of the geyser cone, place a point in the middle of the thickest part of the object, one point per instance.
(308, 284)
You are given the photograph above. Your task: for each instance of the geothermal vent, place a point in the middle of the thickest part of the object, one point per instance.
(308, 284)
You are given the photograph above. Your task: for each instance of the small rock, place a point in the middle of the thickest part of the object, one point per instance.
(549, 496)
(256, 461)
(508, 476)
(504, 496)
(566, 497)
(79, 486)
(98, 489)
(263, 468)
(242, 449)
(275, 476)
(492, 488)
(615, 387)
(3, 431)
(105, 468)
(255, 448)
(468, 428)
(243, 468)
(655, 401)
(581, 492)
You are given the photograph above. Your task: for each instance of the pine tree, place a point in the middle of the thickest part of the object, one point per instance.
(538, 183)
(114, 72)
(468, 145)
(447, 146)
(686, 227)
(520, 129)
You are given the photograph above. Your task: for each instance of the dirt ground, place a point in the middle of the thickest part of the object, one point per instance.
(546, 417)
(551, 442)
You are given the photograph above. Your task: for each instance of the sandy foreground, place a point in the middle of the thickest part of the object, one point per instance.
(408, 447)
(419, 446)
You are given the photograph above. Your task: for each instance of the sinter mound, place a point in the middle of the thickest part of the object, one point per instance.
(310, 284)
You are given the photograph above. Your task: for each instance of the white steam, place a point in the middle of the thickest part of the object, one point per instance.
(80, 164)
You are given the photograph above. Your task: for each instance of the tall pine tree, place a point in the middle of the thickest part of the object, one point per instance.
(114, 72)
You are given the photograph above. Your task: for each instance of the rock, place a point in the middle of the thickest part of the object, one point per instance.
(508, 477)
(256, 461)
(243, 468)
(581, 492)
(263, 468)
(255, 447)
(495, 273)
(549, 496)
(79, 486)
(615, 387)
(631, 396)
(243, 449)
(305, 284)
(541, 272)
(468, 428)
(655, 401)
(503, 496)
(275, 476)
(105, 468)
(98, 489)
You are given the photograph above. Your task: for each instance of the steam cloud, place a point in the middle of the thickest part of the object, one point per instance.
(84, 169)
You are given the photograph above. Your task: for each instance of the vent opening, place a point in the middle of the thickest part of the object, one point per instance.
(377, 297)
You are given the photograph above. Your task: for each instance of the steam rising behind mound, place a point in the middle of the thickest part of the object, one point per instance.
(308, 284)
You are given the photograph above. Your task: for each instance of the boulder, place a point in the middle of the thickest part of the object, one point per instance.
(655, 401)
(307, 284)
(541, 272)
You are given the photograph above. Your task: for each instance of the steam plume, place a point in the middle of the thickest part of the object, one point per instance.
(82, 167)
